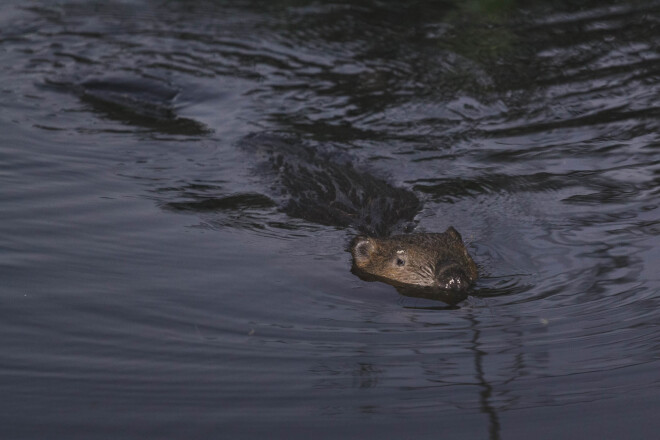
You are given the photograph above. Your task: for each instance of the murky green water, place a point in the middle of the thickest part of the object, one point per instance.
(151, 288)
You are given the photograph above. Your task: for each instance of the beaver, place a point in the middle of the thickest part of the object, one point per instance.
(328, 188)
(427, 260)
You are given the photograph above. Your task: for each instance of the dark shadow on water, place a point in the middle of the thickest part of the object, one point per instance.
(134, 101)
(487, 389)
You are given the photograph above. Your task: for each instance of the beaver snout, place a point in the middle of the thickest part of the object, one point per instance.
(451, 276)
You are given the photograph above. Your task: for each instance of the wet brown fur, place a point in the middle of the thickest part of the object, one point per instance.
(426, 259)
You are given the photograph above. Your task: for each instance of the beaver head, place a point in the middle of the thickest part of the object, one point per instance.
(432, 260)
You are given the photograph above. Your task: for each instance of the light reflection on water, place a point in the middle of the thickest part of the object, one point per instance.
(153, 289)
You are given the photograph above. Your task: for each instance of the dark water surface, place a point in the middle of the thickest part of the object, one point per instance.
(152, 289)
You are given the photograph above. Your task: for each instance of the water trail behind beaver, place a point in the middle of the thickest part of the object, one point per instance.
(326, 187)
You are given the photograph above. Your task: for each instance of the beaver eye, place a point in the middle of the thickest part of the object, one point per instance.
(400, 262)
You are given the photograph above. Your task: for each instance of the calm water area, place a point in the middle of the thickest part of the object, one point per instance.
(150, 288)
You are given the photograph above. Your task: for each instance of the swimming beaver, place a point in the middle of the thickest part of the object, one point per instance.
(438, 261)
(328, 189)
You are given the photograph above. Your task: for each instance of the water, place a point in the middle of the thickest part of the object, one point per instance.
(151, 288)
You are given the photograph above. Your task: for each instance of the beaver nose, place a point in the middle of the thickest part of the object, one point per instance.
(450, 276)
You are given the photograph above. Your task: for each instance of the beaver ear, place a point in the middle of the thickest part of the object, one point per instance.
(362, 249)
(453, 233)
